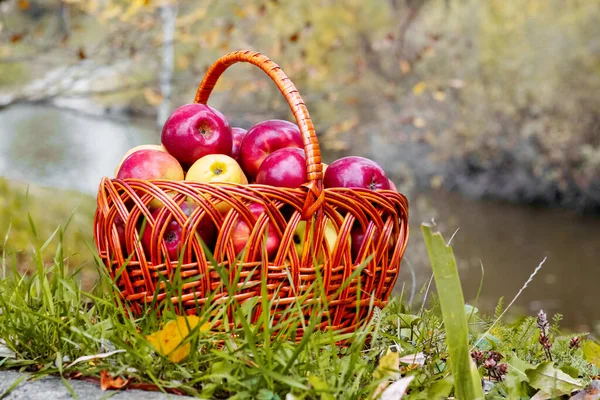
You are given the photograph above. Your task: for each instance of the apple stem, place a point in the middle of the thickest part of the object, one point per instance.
(170, 236)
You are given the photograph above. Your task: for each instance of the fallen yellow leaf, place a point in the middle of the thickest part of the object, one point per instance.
(419, 88)
(388, 365)
(168, 340)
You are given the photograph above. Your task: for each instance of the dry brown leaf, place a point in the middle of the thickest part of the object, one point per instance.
(16, 37)
(405, 67)
(152, 97)
(24, 5)
(183, 62)
(107, 382)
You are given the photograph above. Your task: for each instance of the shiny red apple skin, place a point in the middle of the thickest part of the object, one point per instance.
(238, 135)
(150, 164)
(241, 232)
(173, 235)
(283, 168)
(120, 225)
(356, 172)
(357, 237)
(265, 138)
(205, 228)
(195, 130)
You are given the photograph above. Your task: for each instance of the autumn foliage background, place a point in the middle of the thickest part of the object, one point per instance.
(495, 99)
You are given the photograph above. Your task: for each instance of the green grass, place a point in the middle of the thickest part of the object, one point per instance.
(21, 204)
(48, 321)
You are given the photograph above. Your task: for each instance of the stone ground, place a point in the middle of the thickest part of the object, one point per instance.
(50, 388)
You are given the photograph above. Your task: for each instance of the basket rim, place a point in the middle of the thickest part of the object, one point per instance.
(312, 151)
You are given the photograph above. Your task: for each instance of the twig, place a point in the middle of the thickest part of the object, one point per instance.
(534, 273)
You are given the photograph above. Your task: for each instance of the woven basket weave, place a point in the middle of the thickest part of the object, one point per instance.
(383, 215)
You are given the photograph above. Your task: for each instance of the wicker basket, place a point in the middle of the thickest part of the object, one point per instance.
(382, 214)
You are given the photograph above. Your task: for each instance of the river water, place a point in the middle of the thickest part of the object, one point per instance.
(58, 148)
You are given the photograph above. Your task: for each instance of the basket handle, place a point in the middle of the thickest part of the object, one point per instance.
(314, 167)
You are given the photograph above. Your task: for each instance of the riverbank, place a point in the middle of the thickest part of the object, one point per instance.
(508, 240)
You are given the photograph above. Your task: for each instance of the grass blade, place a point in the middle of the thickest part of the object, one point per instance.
(467, 383)
(13, 386)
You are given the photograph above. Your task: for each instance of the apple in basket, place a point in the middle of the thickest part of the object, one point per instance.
(238, 135)
(357, 234)
(173, 235)
(283, 168)
(265, 138)
(301, 235)
(120, 225)
(356, 172)
(241, 232)
(194, 131)
(136, 148)
(150, 163)
(215, 168)
(358, 237)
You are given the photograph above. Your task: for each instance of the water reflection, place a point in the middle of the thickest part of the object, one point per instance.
(510, 241)
(60, 149)
(56, 148)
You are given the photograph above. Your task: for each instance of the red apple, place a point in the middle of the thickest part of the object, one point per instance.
(138, 148)
(357, 235)
(150, 164)
(238, 135)
(283, 168)
(241, 232)
(172, 237)
(120, 225)
(195, 130)
(265, 138)
(356, 172)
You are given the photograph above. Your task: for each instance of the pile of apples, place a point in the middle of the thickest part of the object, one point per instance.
(198, 145)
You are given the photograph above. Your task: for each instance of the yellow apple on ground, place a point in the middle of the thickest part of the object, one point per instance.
(158, 147)
(300, 236)
(214, 168)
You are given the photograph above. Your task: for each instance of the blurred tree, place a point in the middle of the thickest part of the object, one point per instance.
(491, 98)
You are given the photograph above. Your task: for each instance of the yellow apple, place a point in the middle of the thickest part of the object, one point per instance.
(158, 147)
(300, 238)
(325, 167)
(214, 168)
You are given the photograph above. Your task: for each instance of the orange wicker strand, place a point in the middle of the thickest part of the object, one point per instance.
(142, 274)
